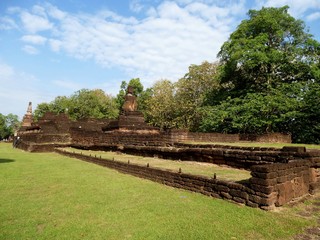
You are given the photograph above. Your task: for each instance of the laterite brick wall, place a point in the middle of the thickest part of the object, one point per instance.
(270, 186)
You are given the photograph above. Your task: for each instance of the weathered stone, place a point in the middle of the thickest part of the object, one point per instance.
(264, 175)
(226, 195)
(263, 189)
(239, 200)
(264, 182)
(238, 193)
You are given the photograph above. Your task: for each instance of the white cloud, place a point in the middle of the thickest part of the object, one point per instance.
(136, 6)
(35, 23)
(34, 39)
(7, 23)
(171, 37)
(162, 45)
(55, 45)
(314, 16)
(30, 50)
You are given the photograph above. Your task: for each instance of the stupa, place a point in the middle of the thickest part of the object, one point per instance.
(28, 119)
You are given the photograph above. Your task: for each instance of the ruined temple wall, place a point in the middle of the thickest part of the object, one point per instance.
(82, 137)
(182, 136)
(281, 183)
(39, 138)
(270, 185)
(240, 157)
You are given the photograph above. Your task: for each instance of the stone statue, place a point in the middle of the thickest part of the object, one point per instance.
(130, 103)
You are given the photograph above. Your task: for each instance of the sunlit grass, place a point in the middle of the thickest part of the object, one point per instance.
(49, 196)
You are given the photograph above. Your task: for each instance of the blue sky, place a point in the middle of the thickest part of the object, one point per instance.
(56, 47)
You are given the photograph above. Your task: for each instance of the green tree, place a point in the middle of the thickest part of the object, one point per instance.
(84, 103)
(41, 109)
(192, 93)
(8, 125)
(160, 107)
(268, 49)
(306, 127)
(256, 112)
(91, 103)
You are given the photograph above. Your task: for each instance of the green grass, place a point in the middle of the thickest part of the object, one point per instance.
(257, 144)
(196, 168)
(49, 196)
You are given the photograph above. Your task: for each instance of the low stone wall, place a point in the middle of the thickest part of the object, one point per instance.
(82, 137)
(238, 157)
(39, 138)
(185, 136)
(270, 186)
(35, 147)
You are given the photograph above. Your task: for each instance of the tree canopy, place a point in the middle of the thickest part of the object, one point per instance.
(82, 104)
(8, 125)
(266, 50)
(269, 74)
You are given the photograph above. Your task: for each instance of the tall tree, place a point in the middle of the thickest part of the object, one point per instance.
(192, 93)
(160, 107)
(269, 48)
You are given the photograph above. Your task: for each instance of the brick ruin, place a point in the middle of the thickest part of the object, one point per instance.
(278, 175)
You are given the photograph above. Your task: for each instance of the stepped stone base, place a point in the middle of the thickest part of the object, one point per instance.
(129, 121)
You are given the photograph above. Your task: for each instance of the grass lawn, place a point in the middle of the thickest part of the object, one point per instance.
(48, 196)
(196, 168)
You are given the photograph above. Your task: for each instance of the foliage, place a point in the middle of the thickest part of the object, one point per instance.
(82, 104)
(307, 125)
(192, 91)
(160, 107)
(269, 79)
(176, 104)
(8, 125)
(256, 112)
(268, 49)
(91, 103)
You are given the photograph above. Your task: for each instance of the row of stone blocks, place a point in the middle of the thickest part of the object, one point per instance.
(267, 188)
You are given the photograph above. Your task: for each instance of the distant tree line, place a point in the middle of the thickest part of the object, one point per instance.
(266, 80)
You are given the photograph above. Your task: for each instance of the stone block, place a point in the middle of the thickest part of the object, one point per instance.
(262, 189)
(294, 149)
(239, 200)
(226, 195)
(263, 182)
(239, 194)
(285, 193)
(264, 175)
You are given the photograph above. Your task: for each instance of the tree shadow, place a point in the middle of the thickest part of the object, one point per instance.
(6, 160)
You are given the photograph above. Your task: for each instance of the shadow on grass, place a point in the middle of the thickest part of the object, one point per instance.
(6, 160)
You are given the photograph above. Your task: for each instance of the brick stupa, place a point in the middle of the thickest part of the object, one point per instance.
(27, 119)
